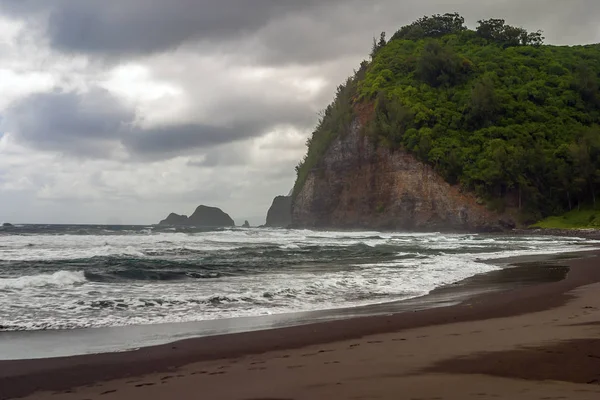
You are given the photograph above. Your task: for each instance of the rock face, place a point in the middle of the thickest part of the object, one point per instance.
(175, 219)
(203, 216)
(246, 224)
(210, 216)
(280, 212)
(359, 186)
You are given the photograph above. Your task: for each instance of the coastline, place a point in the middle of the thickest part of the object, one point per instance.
(23, 377)
(514, 272)
(586, 233)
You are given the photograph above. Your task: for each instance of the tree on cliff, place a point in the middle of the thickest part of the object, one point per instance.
(492, 109)
(378, 44)
(432, 27)
(496, 30)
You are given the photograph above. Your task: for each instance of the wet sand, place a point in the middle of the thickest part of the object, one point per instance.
(532, 342)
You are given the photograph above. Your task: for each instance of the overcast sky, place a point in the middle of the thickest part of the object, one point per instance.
(121, 111)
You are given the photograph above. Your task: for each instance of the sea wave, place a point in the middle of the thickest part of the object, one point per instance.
(57, 279)
(126, 276)
(139, 274)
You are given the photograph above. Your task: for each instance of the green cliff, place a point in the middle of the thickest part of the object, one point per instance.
(493, 111)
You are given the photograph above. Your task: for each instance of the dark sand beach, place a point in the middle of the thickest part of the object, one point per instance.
(532, 342)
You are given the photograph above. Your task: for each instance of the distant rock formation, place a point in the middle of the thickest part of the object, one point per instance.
(280, 213)
(203, 216)
(210, 216)
(175, 219)
(7, 225)
(246, 224)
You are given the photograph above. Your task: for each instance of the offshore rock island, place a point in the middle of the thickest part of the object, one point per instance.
(448, 128)
(204, 216)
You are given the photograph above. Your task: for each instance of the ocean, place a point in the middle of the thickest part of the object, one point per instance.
(69, 277)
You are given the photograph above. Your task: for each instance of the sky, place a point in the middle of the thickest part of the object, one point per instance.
(122, 111)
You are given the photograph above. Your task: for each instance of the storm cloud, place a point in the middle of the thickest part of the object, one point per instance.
(97, 124)
(307, 29)
(131, 27)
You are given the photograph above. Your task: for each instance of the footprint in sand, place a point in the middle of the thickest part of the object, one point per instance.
(257, 369)
(267, 398)
(107, 392)
(65, 392)
(145, 384)
(199, 372)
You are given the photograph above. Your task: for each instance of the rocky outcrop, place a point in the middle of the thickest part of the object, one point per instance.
(246, 224)
(280, 212)
(210, 216)
(175, 219)
(8, 225)
(357, 185)
(203, 216)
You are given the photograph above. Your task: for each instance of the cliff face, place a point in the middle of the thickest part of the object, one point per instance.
(359, 186)
(280, 212)
(203, 216)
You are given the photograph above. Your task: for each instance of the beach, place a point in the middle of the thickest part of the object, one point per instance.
(537, 341)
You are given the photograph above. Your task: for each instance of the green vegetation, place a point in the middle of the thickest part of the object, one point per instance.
(491, 109)
(576, 219)
(335, 120)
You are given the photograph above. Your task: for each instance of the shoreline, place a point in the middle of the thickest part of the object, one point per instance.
(23, 377)
(584, 233)
(45, 344)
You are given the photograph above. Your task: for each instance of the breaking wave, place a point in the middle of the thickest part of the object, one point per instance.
(57, 279)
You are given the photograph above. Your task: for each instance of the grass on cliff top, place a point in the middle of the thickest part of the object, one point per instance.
(576, 219)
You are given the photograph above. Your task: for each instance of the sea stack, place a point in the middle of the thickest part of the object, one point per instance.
(246, 224)
(204, 216)
(210, 216)
(175, 219)
(280, 212)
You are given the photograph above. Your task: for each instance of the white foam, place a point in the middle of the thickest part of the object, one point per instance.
(414, 265)
(57, 279)
(290, 246)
